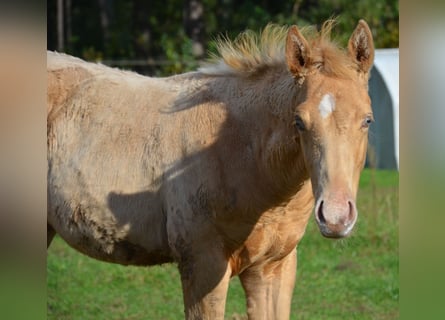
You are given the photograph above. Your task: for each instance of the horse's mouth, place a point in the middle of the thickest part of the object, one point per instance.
(334, 233)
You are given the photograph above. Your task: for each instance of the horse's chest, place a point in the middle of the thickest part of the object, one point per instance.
(267, 242)
(271, 241)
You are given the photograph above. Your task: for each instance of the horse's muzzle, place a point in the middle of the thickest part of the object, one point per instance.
(335, 217)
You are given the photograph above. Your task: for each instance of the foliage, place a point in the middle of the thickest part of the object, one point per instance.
(353, 278)
(382, 17)
(142, 30)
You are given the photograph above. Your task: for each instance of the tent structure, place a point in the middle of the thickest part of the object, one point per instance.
(383, 150)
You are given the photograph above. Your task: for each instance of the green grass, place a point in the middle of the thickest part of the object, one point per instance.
(353, 278)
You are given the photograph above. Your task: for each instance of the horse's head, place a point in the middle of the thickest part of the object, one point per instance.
(332, 122)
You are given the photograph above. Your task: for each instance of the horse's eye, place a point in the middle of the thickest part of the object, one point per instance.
(299, 123)
(368, 120)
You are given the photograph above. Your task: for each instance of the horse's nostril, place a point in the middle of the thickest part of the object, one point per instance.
(351, 214)
(320, 213)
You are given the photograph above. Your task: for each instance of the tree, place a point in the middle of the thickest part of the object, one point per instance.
(60, 26)
(194, 26)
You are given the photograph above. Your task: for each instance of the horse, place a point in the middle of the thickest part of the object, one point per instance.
(217, 170)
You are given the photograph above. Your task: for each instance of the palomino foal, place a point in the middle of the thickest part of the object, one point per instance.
(216, 170)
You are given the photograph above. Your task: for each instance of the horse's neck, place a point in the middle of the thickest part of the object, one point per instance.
(265, 106)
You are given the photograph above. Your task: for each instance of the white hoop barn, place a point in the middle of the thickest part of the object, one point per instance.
(384, 92)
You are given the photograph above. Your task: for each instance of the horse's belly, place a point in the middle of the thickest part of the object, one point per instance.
(123, 252)
(119, 251)
(133, 239)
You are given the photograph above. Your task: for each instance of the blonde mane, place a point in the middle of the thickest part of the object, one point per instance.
(250, 52)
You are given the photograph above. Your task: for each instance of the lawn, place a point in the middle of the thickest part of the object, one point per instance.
(353, 278)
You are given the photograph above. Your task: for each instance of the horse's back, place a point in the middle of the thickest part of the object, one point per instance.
(67, 75)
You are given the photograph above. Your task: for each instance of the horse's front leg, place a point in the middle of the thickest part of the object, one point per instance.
(269, 288)
(205, 276)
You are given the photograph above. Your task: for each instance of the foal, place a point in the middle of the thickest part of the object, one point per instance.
(216, 170)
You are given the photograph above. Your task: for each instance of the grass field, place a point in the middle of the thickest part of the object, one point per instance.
(353, 278)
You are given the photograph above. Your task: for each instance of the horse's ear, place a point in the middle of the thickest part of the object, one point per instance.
(361, 46)
(297, 51)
